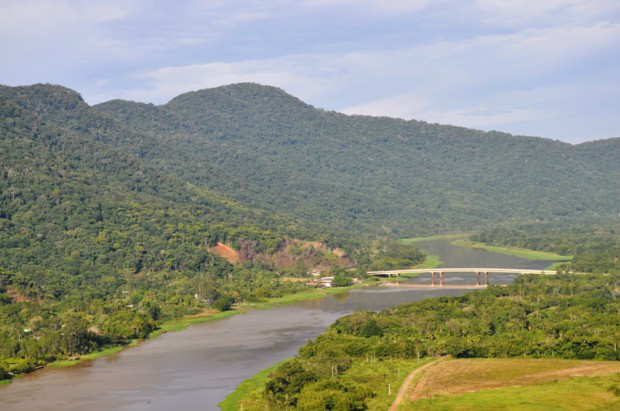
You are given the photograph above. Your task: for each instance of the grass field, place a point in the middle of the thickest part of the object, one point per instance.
(517, 385)
(518, 252)
(431, 261)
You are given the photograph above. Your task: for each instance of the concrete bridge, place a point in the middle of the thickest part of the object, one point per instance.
(441, 273)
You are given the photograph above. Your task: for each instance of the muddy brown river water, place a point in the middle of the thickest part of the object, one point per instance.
(195, 369)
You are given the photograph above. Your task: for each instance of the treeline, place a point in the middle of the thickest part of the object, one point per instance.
(595, 248)
(564, 316)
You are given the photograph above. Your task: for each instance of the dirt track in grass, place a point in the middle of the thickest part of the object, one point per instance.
(459, 376)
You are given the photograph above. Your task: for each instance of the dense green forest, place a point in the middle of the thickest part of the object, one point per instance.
(385, 176)
(98, 247)
(564, 316)
(109, 215)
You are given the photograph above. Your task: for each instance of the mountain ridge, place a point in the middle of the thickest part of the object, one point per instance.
(269, 150)
(299, 141)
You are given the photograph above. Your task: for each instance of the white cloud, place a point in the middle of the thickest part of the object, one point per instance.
(480, 63)
(29, 17)
(44, 40)
(545, 13)
(483, 82)
(388, 6)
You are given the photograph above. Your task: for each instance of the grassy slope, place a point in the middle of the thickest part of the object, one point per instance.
(314, 294)
(431, 261)
(87, 357)
(517, 384)
(574, 394)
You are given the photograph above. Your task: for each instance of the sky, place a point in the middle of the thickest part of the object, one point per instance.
(548, 68)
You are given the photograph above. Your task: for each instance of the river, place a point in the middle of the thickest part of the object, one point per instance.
(195, 369)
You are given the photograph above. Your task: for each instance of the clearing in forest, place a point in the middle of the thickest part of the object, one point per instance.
(516, 384)
(469, 375)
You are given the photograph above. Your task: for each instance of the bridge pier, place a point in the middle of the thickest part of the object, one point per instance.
(477, 278)
(486, 278)
(442, 277)
(434, 279)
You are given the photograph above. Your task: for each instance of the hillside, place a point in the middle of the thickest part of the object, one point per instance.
(268, 149)
(117, 217)
(97, 240)
(68, 193)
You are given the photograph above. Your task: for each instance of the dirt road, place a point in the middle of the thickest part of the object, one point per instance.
(405, 386)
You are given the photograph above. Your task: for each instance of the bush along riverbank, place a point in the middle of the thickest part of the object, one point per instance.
(563, 316)
(40, 327)
(16, 368)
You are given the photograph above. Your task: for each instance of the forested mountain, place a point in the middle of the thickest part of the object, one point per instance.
(94, 237)
(109, 214)
(70, 194)
(268, 149)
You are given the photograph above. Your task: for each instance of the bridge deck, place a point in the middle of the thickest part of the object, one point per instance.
(462, 270)
(437, 287)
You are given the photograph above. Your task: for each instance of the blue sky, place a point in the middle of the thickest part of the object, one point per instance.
(547, 68)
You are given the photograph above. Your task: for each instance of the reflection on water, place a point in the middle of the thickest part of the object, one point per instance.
(341, 297)
(195, 369)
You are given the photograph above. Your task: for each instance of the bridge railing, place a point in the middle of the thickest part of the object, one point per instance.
(441, 273)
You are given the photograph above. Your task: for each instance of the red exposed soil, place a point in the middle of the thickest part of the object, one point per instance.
(18, 297)
(226, 252)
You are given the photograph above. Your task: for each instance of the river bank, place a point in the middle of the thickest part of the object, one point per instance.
(248, 394)
(461, 240)
(200, 366)
(388, 374)
(515, 251)
(183, 323)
